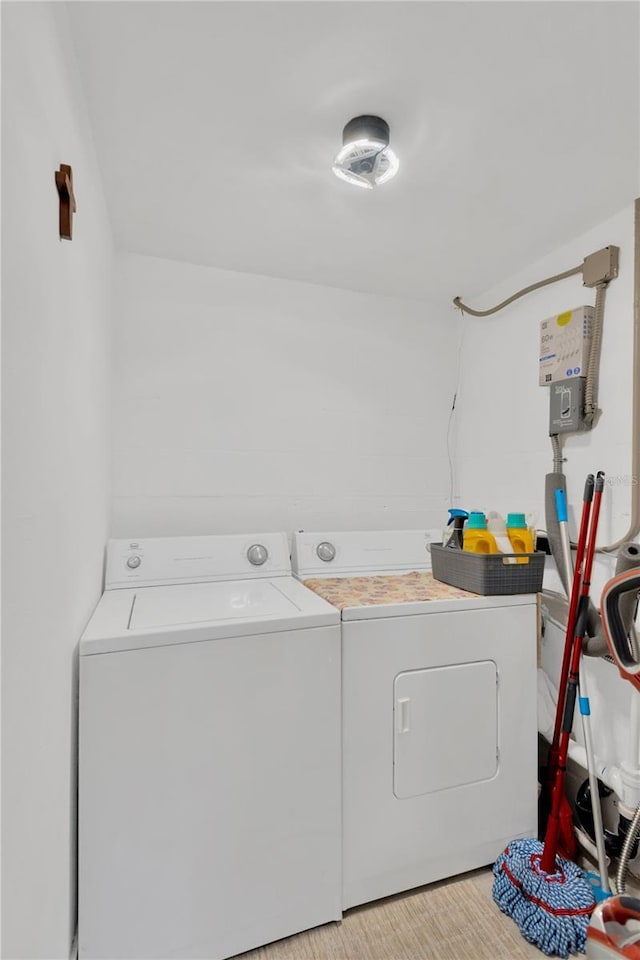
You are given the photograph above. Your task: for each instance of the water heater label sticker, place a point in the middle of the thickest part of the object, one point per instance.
(565, 344)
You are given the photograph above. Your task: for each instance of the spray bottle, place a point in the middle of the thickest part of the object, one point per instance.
(453, 537)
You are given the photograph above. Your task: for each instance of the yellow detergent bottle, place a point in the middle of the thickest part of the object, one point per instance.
(476, 537)
(519, 534)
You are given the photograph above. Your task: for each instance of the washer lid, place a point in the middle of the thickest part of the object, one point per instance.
(208, 603)
(186, 613)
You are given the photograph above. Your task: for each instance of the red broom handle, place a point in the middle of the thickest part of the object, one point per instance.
(548, 859)
(571, 622)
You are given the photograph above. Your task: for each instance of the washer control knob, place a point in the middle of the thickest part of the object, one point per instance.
(134, 562)
(326, 551)
(257, 554)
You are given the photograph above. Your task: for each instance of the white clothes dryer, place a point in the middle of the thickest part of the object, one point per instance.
(209, 754)
(438, 711)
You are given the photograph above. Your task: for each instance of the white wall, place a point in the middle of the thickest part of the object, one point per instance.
(502, 446)
(503, 449)
(245, 403)
(55, 313)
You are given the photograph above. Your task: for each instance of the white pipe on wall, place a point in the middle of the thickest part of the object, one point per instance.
(634, 733)
(610, 775)
(630, 768)
(634, 523)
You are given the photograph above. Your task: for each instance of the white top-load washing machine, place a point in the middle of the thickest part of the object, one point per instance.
(438, 707)
(209, 766)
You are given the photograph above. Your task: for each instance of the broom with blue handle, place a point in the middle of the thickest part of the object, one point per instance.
(563, 526)
(600, 884)
(548, 896)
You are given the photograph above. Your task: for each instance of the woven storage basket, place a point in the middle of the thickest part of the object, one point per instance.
(488, 574)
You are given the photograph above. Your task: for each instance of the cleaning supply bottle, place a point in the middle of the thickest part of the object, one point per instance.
(477, 539)
(453, 537)
(496, 526)
(519, 534)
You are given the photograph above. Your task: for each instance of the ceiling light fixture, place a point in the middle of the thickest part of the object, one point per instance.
(366, 159)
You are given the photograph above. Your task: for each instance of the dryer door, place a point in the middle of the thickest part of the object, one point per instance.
(436, 747)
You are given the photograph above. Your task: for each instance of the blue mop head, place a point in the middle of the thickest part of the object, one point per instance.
(551, 909)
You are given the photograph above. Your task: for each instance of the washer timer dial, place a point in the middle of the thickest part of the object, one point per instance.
(257, 554)
(326, 551)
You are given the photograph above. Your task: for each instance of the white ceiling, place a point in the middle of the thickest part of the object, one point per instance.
(516, 124)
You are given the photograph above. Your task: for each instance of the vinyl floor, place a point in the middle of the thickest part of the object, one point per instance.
(451, 920)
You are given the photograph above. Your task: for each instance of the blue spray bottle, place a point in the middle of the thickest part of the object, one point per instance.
(453, 538)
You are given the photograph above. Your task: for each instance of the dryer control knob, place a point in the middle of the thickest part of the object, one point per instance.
(326, 551)
(134, 562)
(257, 554)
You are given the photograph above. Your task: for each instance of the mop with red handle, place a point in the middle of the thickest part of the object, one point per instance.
(567, 843)
(549, 897)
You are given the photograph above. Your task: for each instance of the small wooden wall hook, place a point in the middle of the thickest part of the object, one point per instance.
(64, 183)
